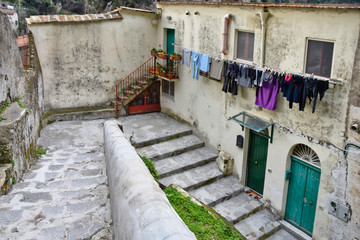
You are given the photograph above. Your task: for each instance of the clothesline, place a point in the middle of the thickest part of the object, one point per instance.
(306, 75)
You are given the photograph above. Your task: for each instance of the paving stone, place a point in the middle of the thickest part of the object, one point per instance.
(171, 148)
(11, 216)
(218, 190)
(54, 233)
(55, 167)
(85, 230)
(35, 197)
(91, 172)
(184, 161)
(88, 182)
(258, 224)
(194, 177)
(237, 207)
(83, 207)
(282, 234)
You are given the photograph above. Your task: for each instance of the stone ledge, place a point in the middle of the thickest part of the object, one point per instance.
(12, 114)
(140, 209)
(77, 114)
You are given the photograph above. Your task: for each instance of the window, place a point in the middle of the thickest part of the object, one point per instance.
(245, 46)
(319, 58)
(167, 88)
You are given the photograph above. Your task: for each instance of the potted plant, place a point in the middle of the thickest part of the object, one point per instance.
(154, 52)
(175, 56)
(162, 54)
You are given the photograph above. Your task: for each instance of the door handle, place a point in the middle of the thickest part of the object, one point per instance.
(256, 162)
(310, 202)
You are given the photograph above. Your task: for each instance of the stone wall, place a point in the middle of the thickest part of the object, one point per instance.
(140, 209)
(20, 126)
(83, 61)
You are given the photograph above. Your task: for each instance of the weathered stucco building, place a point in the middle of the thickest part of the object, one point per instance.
(83, 57)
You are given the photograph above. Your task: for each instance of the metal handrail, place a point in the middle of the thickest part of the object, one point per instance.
(134, 80)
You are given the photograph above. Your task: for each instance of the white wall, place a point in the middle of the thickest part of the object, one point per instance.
(82, 61)
(203, 104)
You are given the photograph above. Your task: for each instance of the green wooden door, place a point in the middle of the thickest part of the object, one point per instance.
(302, 195)
(170, 40)
(257, 162)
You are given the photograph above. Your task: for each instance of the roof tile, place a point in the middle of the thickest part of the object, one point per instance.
(114, 15)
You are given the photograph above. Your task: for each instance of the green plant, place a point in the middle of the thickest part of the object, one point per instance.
(174, 54)
(17, 99)
(161, 51)
(13, 180)
(150, 165)
(40, 150)
(4, 105)
(203, 224)
(154, 50)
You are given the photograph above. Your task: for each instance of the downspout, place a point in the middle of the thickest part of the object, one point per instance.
(225, 34)
(155, 7)
(264, 14)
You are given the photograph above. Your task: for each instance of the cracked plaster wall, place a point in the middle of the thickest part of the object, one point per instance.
(203, 104)
(82, 61)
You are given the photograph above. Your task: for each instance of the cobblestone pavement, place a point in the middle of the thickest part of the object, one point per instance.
(65, 194)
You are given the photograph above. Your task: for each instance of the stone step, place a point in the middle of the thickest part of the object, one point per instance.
(171, 148)
(282, 234)
(258, 225)
(184, 161)
(194, 178)
(238, 207)
(294, 231)
(152, 128)
(218, 191)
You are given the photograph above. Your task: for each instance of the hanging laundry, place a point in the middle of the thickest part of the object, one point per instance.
(296, 90)
(243, 77)
(266, 95)
(216, 68)
(308, 92)
(186, 57)
(204, 65)
(226, 84)
(320, 89)
(195, 65)
(233, 74)
(259, 77)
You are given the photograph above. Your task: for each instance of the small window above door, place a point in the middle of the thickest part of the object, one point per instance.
(245, 45)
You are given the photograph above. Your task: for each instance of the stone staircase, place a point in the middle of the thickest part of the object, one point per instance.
(183, 159)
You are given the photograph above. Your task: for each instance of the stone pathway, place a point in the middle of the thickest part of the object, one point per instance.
(65, 194)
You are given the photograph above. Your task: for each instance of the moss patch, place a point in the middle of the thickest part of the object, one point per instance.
(203, 224)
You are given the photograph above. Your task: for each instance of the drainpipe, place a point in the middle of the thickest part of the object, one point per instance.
(155, 7)
(226, 34)
(264, 14)
(350, 145)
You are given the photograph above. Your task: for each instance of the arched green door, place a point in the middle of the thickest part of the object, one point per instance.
(302, 195)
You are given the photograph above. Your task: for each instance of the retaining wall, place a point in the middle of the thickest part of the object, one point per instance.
(140, 209)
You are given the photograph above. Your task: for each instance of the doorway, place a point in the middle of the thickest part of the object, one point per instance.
(256, 163)
(147, 101)
(302, 193)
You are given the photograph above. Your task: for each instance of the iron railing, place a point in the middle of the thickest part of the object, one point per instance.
(133, 81)
(165, 68)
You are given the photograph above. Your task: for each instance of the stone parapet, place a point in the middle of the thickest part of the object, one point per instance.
(140, 209)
